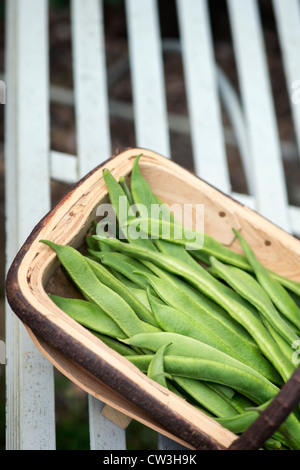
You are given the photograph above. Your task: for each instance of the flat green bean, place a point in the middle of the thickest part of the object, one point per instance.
(126, 189)
(225, 391)
(88, 284)
(143, 196)
(203, 394)
(277, 293)
(176, 321)
(200, 327)
(285, 347)
(92, 244)
(90, 315)
(185, 346)
(141, 295)
(256, 388)
(193, 296)
(289, 430)
(176, 233)
(222, 392)
(289, 284)
(207, 396)
(110, 281)
(125, 265)
(156, 370)
(120, 348)
(216, 291)
(272, 444)
(103, 247)
(175, 390)
(116, 196)
(142, 193)
(214, 323)
(248, 288)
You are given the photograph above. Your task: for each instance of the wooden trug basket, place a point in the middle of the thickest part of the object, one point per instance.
(85, 359)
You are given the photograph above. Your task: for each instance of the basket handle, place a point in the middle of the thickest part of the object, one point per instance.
(272, 417)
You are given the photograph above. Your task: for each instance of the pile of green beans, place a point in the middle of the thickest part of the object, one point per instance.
(214, 327)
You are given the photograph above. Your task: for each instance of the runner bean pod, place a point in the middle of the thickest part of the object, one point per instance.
(216, 291)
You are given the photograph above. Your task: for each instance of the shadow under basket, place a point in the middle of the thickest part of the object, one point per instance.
(95, 367)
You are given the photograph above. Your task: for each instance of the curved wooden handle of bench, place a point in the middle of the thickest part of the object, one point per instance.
(272, 417)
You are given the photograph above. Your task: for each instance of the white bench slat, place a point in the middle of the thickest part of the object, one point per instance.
(294, 211)
(29, 375)
(288, 25)
(294, 215)
(90, 88)
(63, 167)
(149, 101)
(268, 175)
(104, 434)
(237, 118)
(93, 143)
(202, 94)
(151, 120)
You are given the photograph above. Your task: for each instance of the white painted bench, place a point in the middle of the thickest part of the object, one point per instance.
(31, 163)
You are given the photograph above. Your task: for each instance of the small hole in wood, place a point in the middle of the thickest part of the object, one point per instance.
(222, 214)
(267, 242)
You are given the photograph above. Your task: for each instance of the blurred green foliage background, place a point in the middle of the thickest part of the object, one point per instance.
(72, 421)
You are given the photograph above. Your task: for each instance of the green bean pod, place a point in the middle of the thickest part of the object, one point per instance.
(189, 296)
(90, 315)
(176, 233)
(143, 195)
(225, 391)
(89, 285)
(206, 396)
(156, 370)
(125, 265)
(216, 291)
(285, 347)
(141, 295)
(92, 244)
(247, 287)
(288, 434)
(120, 348)
(126, 190)
(110, 281)
(201, 328)
(277, 293)
(210, 320)
(175, 321)
(185, 346)
(103, 247)
(116, 196)
(203, 393)
(258, 389)
(289, 284)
